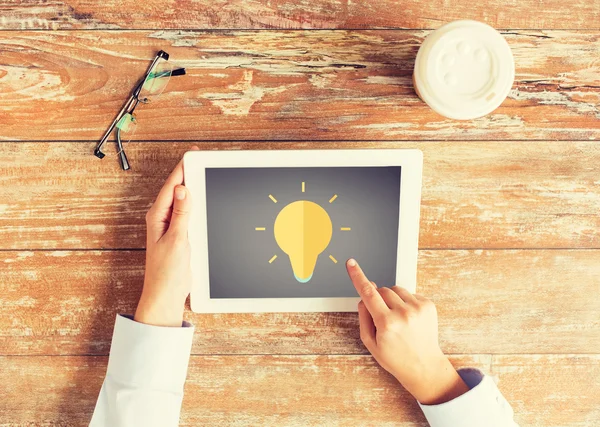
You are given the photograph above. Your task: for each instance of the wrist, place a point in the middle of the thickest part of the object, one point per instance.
(158, 311)
(439, 383)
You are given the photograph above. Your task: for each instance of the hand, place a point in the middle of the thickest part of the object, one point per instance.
(167, 281)
(400, 330)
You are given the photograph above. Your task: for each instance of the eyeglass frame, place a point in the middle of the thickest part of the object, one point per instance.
(128, 108)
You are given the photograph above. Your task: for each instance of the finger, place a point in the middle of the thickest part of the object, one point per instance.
(164, 200)
(423, 301)
(391, 298)
(368, 293)
(406, 296)
(159, 215)
(368, 332)
(180, 216)
(420, 297)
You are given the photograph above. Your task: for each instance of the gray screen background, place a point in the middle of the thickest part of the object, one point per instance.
(237, 201)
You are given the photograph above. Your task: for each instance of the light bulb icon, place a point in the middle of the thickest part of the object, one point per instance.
(303, 231)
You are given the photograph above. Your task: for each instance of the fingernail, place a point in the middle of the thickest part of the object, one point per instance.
(351, 262)
(180, 193)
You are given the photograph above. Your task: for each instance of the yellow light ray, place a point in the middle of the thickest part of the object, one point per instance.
(333, 198)
(333, 259)
(345, 229)
(272, 198)
(260, 228)
(273, 259)
(303, 186)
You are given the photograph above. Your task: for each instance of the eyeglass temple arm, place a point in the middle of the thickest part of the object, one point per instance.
(126, 107)
(122, 156)
(97, 152)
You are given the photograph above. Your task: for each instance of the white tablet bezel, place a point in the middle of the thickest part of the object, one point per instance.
(195, 164)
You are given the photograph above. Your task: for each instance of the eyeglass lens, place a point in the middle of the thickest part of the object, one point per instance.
(156, 81)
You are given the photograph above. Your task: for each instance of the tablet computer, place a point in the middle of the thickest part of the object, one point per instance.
(270, 231)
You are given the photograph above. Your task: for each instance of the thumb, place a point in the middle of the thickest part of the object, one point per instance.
(180, 216)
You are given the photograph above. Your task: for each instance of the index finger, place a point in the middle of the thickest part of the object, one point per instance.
(367, 291)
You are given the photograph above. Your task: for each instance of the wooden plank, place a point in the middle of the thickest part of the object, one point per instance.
(475, 194)
(540, 388)
(524, 301)
(292, 85)
(85, 14)
(545, 390)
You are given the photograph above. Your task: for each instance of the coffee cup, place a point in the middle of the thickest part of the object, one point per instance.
(464, 70)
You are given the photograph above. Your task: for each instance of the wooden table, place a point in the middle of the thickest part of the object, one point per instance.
(510, 230)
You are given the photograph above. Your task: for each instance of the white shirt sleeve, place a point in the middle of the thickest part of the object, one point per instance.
(482, 405)
(146, 372)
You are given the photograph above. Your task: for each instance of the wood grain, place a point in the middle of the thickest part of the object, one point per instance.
(193, 14)
(539, 387)
(523, 179)
(475, 194)
(284, 85)
(523, 301)
(546, 390)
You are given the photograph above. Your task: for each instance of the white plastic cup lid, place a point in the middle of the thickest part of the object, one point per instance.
(464, 70)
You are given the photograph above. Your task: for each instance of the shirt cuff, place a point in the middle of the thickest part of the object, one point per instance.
(482, 405)
(148, 356)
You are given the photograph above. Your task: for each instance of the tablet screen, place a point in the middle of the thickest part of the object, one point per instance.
(287, 232)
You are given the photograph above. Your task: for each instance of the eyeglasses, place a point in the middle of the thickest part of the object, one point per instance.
(149, 88)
